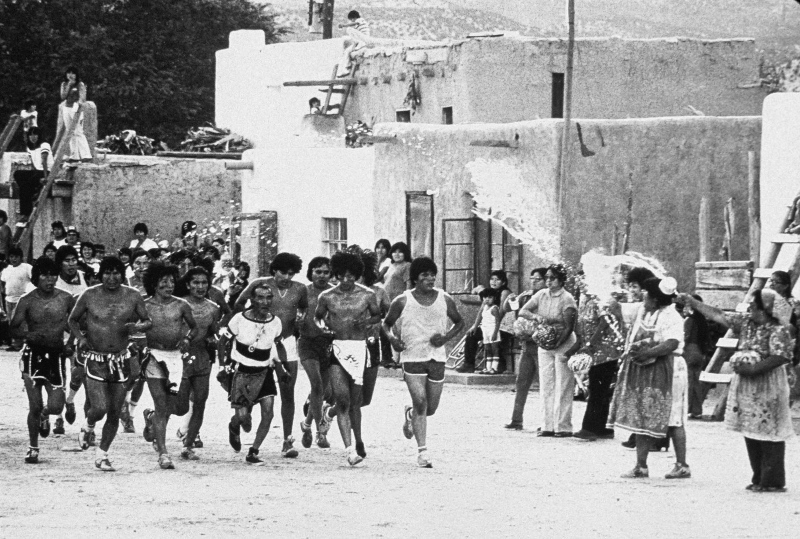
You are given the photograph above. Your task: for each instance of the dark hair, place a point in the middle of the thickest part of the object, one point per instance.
(28, 103)
(56, 224)
(370, 261)
(342, 262)
(420, 265)
(500, 274)
(3, 215)
(354, 15)
(182, 286)
(154, 273)
(759, 301)
(242, 265)
(314, 100)
(559, 272)
(403, 248)
(785, 279)
(137, 253)
(316, 262)
(15, 251)
(386, 245)
(72, 69)
(43, 266)
(49, 247)
(653, 291)
(155, 253)
(213, 251)
(111, 263)
(489, 292)
(179, 256)
(140, 227)
(63, 252)
(640, 275)
(35, 130)
(285, 262)
(125, 251)
(90, 245)
(205, 263)
(540, 271)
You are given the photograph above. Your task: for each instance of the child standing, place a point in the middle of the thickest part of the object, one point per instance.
(30, 117)
(488, 320)
(13, 281)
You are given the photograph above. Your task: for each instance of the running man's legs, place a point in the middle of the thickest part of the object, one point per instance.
(35, 407)
(425, 396)
(267, 405)
(287, 398)
(199, 390)
(341, 382)
(315, 378)
(106, 400)
(164, 405)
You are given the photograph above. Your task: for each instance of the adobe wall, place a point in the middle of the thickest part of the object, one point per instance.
(672, 163)
(510, 79)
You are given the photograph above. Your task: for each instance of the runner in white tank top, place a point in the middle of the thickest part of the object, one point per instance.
(421, 316)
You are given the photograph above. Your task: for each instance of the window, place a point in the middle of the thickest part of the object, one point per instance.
(447, 115)
(557, 98)
(472, 249)
(403, 116)
(419, 223)
(334, 234)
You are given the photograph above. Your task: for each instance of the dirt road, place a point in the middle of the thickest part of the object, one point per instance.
(486, 482)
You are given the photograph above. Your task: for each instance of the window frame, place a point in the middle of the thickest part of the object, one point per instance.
(328, 242)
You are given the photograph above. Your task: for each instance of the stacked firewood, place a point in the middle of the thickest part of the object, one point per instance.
(214, 139)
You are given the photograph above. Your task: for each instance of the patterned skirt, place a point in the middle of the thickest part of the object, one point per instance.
(642, 400)
(758, 406)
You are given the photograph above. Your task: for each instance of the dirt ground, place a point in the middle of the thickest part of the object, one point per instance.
(485, 480)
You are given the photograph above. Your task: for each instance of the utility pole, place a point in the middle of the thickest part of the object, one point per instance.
(327, 19)
(564, 160)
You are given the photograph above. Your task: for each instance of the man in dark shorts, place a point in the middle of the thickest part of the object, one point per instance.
(346, 311)
(291, 300)
(424, 313)
(44, 311)
(314, 349)
(167, 343)
(112, 312)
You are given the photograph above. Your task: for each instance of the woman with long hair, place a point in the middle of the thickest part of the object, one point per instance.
(30, 181)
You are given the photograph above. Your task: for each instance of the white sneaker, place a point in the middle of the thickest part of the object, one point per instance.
(423, 461)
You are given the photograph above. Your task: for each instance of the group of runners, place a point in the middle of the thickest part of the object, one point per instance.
(166, 327)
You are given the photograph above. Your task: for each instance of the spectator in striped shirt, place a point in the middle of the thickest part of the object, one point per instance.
(357, 34)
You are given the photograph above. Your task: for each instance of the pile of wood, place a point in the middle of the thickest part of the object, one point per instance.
(127, 142)
(214, 140)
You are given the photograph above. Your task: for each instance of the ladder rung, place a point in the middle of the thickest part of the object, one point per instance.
(727, 342)
(763, 273)
(786, 238)
(333, 90)
(715, 377)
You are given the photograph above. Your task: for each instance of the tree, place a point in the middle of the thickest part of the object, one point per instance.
(148, 64)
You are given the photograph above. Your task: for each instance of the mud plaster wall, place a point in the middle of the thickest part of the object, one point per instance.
(109, 199)
(510, 79)
(673, 162)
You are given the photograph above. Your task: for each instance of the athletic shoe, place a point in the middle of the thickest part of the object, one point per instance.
(104, 465)
(32, 456)
(287, 451)
(92, 438)
(636, 473)
(58, 429)
(585, 435)
(354, 458)
(181, 435)
(680, 471)
(187, 453)
(360, 450)
(630, 443)
(322, 441)
(307, 435)
(233, 437)
(306, 406)
(423, 461)
(513, 426)
(252, 457)
(198, 443)
(408, 428)
(165, 462)
(148, 433)
(83, 438)
(247, 423)
(562, 434)
(69, 412)
(325, 423)
(44, 426)
(544, 433)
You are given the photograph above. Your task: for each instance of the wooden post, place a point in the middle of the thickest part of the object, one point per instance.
(703, 229)
(754, 206)
(327, 19)
(564, 160)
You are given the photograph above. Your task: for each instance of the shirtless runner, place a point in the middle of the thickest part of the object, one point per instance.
(165, 368)
(347, 310)
(113, 312)
(290, 301)
(44, 311)
(423, 313)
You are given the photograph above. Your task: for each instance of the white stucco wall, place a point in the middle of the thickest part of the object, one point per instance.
(250, 97)
(305, 185)
(780, 162)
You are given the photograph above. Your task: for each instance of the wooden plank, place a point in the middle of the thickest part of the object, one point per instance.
(338, 82)
(333, 91)
(703, 228)
(724, 264)
(727, 342)
(325, 107)
(201, 155)
(346, 96)
(715, 378)
(723, 278)
(380, 140)
(764, 273)
(753, 206)
(727, 300)
(785, 238)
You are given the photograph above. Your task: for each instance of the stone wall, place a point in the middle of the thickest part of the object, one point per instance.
(671, 163)
(510, 79)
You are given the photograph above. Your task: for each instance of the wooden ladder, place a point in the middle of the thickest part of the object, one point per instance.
(8, 133)
(23, 235)
(728, 344)
(335, 85)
